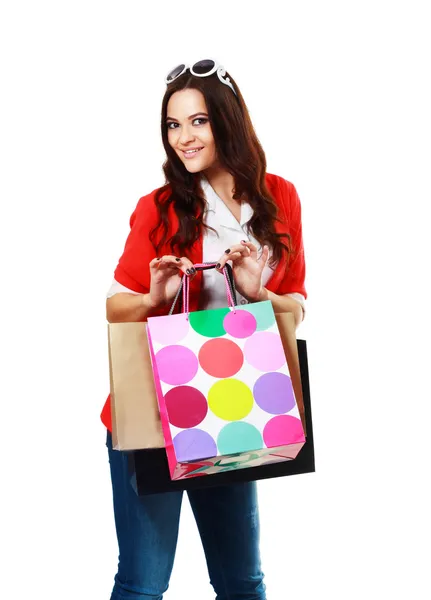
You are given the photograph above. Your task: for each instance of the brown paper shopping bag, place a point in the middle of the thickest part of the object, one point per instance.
(135, 415)
(136, 421)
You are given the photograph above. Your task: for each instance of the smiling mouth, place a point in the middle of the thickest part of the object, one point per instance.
(191, 153)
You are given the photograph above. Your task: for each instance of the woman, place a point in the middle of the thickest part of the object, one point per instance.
(218, 205)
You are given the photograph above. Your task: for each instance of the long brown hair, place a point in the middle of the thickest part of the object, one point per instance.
(238, 151)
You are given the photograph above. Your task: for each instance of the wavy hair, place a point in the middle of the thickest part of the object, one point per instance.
(238, 151)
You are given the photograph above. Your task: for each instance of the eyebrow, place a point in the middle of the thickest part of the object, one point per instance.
(190, 118)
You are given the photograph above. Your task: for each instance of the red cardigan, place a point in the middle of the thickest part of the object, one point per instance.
(133, 272)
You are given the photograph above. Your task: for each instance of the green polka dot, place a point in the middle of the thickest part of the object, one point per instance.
(230, 399)
(209, 322)
(239, 437)
(262, 312)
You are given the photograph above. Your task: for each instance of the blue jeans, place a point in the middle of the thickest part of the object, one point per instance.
(147, 532)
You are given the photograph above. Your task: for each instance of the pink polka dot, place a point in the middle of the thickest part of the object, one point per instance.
(264, 351)
(176, 364)
(283, 430)
(240, 324)
(169, 329)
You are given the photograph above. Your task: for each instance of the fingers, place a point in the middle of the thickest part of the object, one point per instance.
(251, 247)
(264, 256)
(238, 251)
(173, 264)
(185, 265)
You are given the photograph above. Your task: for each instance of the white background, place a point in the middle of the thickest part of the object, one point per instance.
(339, 95)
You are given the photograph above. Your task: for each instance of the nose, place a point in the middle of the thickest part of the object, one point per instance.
(186, 135)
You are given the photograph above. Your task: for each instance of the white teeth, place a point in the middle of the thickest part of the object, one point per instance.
(192, 151)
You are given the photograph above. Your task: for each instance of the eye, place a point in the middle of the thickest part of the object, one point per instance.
(198, 121)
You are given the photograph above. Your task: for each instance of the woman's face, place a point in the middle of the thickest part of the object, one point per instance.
(189, 131)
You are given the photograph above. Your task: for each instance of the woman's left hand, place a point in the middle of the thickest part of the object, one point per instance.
(247, 268)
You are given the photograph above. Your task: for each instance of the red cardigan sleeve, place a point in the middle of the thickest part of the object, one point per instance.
(294, 280)
(132, 270)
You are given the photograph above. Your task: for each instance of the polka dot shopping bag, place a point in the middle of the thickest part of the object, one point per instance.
(223, 387)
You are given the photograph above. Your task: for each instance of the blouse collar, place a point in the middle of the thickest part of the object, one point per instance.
(216, 206)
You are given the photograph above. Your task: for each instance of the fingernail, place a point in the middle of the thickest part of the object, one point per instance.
(188, 272)
(193, 270)
(159, 259)
(218, 265)
(227, 251)
(178, 259)
(243, 241)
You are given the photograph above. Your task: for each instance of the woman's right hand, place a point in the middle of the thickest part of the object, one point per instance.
(166, 278)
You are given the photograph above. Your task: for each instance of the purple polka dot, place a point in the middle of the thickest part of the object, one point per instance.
(194, 444)
(240, 324)
(176, 364)
(273, 392)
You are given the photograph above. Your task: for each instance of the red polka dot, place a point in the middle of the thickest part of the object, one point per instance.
(186, 406)
(221, 358)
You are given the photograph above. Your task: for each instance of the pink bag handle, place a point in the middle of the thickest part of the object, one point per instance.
(185, 288)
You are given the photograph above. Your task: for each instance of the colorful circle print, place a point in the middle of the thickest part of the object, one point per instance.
(283, 430)
(176, 364)
(209, 322)
(221, 358)
(240, 323)
(194, 444)
(169, 329)
(230, 399)
(239, 437)
(264, 351)
(186, 406)
(263, 313)
(273, 392)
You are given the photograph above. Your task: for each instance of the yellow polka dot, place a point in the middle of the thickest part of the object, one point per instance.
(230, 399)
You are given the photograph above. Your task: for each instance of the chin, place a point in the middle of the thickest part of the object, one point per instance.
(197, 167)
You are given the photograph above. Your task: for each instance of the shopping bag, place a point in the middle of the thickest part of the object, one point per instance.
(149, 469)
(135, 414)
(224, 389)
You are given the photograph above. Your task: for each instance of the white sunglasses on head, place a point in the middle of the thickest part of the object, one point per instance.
(202, 68)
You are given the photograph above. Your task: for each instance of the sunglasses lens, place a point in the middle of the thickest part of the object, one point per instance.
(175, 72)
(203, 66)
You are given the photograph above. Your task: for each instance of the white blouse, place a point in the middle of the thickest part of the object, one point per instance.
(229, 233)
